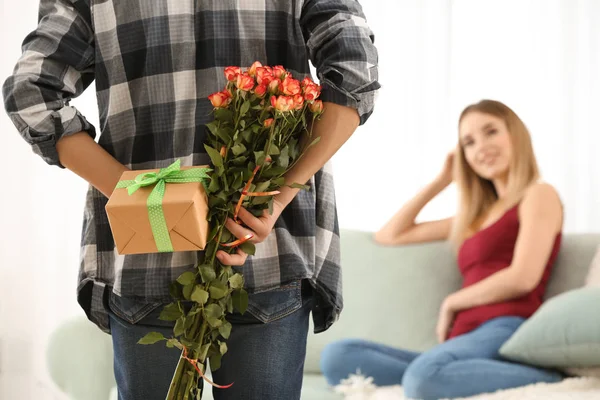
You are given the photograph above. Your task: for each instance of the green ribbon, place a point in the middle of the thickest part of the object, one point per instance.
(171, 174)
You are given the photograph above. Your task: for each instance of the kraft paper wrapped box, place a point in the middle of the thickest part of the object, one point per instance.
(163, 210)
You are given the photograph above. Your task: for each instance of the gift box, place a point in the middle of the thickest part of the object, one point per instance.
(160, 210)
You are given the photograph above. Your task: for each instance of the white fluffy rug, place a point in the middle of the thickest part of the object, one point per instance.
(357, 387)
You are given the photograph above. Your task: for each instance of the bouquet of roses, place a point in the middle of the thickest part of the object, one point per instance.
(262, 126)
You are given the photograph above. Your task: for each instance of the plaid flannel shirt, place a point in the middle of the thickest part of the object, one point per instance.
(154, 64)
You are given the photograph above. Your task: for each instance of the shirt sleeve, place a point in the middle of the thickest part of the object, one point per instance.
(56, 65)
(341, 47)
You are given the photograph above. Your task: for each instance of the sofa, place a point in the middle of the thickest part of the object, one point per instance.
(392, 295)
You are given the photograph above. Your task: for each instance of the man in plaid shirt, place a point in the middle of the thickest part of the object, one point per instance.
(154, 64)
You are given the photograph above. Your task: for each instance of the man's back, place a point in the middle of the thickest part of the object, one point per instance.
(154, 63)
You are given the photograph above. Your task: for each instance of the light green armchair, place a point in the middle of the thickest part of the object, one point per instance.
(79, 358)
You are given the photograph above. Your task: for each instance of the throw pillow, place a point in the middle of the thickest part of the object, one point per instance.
(593, 277)
(564, 332)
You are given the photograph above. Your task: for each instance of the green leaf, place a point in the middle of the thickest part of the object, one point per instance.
(188, 323)
(215, 362)
(315, 141)
(273, 171)
(214, 202)
(245, 107)
(273, 150)
(259, 157)
(195, 310)
(284, 158)
(227, 271)
(279, 181)
(170, 312)
(213, 311)
(248, 171)
(236, 281)
(175, 290)
(238, 182)
(225, 134)
(270, 207)
(214, 155)
(213, 233)
(225, 183)
(187, 291)
(223, 348)
(247, 135)
(223, 196)
(188, 343)
(223, 302)
(238, 149)
(243, 123)
(151, 338)
(239, 161)
(299, 186)
(217, 290)
(204, 351)
(174, 343)
(179, 326)
(240, 300)
(213, 127)
(186, 278)
(229, 305)
(262, 186)
(258, 211)
(260, 200)
(210, 248)
(214, 185)
(199, 295)
(248, 248)
(226, 236)
(225, 330)
(207, 273)
(293, 148)
(225, 275)
(224, 115)
(214, 322)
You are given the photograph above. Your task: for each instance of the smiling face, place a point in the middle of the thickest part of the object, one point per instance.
(495, 161)
(487, 145)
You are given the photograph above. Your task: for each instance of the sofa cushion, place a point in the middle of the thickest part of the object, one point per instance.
(593, 277)
(573, 263)
(564, 332)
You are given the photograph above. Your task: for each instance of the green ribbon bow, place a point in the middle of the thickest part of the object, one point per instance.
(171, 174)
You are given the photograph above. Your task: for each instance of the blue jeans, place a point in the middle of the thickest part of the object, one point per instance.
(265, 358)
(463, 366)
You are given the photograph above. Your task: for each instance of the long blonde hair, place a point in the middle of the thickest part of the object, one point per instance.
(476, 194)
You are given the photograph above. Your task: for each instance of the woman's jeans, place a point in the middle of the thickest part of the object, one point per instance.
(265, 356)
(463, 366)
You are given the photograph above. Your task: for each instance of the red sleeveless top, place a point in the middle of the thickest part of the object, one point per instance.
(487, 252)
